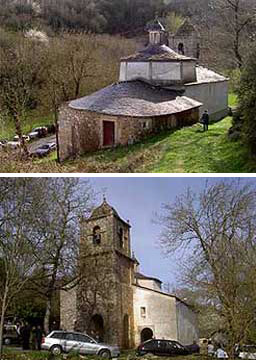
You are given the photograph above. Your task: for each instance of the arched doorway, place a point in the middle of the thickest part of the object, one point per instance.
(97, 327)
(126, 332)
(181, 48)
(146, 334)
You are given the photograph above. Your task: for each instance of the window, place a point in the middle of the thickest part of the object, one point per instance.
(121, 236)
(83, 338)
(143, 312)
(96, 235)
(57, 336)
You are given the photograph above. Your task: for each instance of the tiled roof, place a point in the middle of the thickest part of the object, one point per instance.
(156, 25)
(156, 53)
(136, 99)
(205, 75)
(140, 276)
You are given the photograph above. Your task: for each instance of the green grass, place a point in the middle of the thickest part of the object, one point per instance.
(232, 99)
(13, 354)
(188, 150)
(7, 128)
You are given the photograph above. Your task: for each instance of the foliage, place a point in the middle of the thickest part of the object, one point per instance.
(247, 103)
(216, 229)
(173, 22)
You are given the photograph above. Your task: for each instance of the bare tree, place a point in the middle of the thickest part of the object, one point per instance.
(216, 231)
(17, 240)
(65, 200)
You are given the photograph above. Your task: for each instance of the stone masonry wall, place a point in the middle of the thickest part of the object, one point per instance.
(82, 131)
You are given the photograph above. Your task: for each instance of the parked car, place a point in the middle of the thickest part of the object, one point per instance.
(44, 149)
(25, 137)
(10, 335)
(193, 348)
(38, 132)
(12, 145)
(59, 341)
(162, 347)
(247, 352)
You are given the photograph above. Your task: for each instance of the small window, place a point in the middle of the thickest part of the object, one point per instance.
(96, 235)
(121, 236)
(143, 312)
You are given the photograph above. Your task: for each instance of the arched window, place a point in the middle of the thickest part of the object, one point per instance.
(96, 235)
(181, 48)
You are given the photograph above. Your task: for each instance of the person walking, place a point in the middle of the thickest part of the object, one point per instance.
(205, 120)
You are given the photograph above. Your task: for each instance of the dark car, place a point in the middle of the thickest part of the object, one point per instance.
(162, 347)
(44, 149)
(193, 348)
(10, 335)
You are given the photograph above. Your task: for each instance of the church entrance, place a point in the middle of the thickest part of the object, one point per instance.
(146, 334)
(126, 332)
(108, 133)
(97, 327)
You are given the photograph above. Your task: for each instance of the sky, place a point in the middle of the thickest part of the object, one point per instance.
(137, 199)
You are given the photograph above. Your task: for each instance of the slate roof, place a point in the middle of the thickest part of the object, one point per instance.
(205, 75)
(140, 276)
(136, 99)
(156, 52)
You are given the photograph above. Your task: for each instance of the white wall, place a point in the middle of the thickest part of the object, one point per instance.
(213, 95)
(186, 324)
(151, 284)
(160, 314)
(166, 71)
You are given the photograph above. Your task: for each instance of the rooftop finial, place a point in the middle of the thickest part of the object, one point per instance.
(104, 198)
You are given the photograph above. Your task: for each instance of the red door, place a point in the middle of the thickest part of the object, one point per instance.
(108, 133)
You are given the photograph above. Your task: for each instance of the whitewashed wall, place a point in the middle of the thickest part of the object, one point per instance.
(160, 314)
(214, 97)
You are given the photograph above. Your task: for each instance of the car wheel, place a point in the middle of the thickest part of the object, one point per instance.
(56, 349)
(105, 354)
(7, 341)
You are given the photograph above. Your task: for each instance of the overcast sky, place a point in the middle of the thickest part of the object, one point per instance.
(137, 199)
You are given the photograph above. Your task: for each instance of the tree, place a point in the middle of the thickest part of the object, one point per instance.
(65, 201)
(238, 28)
(173, 22)
(216, 229)
(247, 102)
(17, 240)
(20, 78)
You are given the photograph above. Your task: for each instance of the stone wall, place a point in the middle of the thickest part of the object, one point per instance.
(82, 131)
(189, 41)
(68, 308)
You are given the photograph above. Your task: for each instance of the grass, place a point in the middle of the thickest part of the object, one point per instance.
(7, 128)
(188, 150)
(14, 354)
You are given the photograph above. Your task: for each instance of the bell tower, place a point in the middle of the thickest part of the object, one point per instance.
(105, 294)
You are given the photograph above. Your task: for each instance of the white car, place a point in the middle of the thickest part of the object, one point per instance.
(59, 341)
(25, 137)
(247, 352)
(13, 145)
(38, 132)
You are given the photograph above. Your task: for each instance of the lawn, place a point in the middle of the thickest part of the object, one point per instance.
(188, 150)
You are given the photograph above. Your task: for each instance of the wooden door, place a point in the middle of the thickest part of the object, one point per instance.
(108, 133)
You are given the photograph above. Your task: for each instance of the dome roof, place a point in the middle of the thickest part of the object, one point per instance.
(103, 210)
(135, 99)
(156, 52)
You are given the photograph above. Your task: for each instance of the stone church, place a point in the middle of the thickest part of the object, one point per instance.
(158, 89)
(112, 298)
